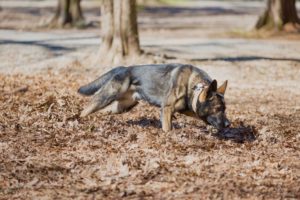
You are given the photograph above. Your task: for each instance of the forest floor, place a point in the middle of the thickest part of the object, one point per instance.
(48, 152)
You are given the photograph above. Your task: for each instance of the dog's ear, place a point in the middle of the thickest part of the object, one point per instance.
(207, 92)
(213, 86)
(222, 88)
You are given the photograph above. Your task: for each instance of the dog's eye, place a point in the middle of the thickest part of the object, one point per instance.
(218, 109)
(211, 98)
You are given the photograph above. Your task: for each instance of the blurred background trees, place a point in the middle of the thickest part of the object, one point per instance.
(120, 38)
(68, 13)
(119, 27)
(279, 15)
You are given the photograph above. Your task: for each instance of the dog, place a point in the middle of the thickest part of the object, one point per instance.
(172, 87)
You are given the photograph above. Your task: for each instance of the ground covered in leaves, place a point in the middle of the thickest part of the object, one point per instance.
(47, 151)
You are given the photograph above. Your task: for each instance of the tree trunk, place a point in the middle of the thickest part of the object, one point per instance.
(279, 15)
(68, 13)
(119, 31)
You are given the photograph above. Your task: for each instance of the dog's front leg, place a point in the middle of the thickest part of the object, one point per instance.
(166, 118)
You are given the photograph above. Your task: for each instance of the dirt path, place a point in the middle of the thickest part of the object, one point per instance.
(22, 50)
(184, 32)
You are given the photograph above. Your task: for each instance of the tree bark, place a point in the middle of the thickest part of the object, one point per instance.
(279, 15)
(68, 12)
(119, 31)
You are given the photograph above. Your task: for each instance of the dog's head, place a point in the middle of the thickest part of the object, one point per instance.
(211, 105)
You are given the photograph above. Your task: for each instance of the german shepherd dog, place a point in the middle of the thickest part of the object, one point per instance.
(172, 87)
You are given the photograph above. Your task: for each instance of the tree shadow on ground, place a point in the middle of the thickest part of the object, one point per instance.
(41, 11)
(46, 43)
(145, 122)
(155, 123)
(172, 10)
(56, 49)
(245, 58)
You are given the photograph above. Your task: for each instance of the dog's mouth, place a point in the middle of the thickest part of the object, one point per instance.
(218, 126)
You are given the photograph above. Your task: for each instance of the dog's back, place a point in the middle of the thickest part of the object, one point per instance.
(152, 82)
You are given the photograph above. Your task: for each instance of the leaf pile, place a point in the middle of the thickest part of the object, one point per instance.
(47, 151)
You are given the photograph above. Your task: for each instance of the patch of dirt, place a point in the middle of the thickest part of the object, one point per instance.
(30, 54)
(47, 150)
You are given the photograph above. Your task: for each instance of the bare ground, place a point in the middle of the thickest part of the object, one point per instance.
(47, 152)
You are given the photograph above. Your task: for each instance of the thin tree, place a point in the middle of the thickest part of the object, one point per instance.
(68, 12)
(279, 15)
(119, 31)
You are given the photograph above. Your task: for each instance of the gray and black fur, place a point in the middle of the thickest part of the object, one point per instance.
(173, 87)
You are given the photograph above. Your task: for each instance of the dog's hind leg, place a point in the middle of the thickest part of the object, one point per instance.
(126, 102)
(93, 106)
(117, 107)
(108, 95)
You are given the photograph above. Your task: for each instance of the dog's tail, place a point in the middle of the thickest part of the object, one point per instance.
(95, 85)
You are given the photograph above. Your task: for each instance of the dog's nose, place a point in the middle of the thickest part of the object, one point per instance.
(227, 124)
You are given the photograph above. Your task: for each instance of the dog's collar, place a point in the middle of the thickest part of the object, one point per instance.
(197, 91)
